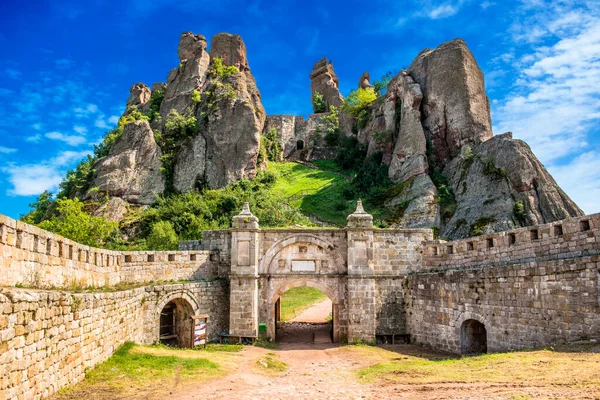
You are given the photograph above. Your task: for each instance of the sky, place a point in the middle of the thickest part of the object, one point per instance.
(66, 68)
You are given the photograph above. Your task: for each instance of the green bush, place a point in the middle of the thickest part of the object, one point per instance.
(72, 222)
(519, 212)
(156, 99)
(270, 148)
(358, 105)
(162, 237)
(219, 70)
(39, 209)
(319, 105)
(381, 84)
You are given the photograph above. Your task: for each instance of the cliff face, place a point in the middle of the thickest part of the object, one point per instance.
(432, 126)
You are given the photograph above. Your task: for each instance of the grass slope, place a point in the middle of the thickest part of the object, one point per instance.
(315, 192)
(570, 366)
(153, 369)
(296, 300)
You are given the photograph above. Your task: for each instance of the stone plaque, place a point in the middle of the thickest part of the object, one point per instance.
(243, 253)
(303, 265)
(360, 252)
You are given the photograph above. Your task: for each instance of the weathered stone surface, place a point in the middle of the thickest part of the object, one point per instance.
(415, 205)
(409, 156)
(325, 81)
(189, 76)
(487, 185)
(131, 171)
(231, 118)
(456, 110)
(363, 81)
(113, 210)
(139, 96)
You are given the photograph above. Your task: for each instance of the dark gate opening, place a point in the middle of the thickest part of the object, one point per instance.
(176, 324)
(473, 338)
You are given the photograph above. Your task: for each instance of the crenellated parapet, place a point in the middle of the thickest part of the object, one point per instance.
(565, 239)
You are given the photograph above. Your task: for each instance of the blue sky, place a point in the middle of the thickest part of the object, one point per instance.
(66, 68)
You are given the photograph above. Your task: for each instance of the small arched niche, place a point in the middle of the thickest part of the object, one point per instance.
(300, 145)
(473, 338)
(176, 323)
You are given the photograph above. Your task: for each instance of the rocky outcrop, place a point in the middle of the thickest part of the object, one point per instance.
(363, 81)
(131, 170)
(456, 110)
(139, 97)
(325, 81)
(230, 117)
(492, 179)
(189, 76)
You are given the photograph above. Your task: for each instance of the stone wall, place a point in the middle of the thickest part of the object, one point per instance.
(521, 305)
(48, 339)
(565, 239)
(30, 256)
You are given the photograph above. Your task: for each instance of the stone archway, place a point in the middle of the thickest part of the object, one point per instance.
(172, 319)
(283, 286)
(473, 337)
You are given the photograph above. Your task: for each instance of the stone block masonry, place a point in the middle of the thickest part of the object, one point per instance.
(529, 287)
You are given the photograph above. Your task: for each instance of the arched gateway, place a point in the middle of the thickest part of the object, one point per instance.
(338, 262)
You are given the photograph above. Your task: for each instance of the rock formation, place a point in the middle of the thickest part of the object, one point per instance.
(363, 81)
(456, 110)
(131, 170)
(231, 118)
(325, 81)
(433, 127)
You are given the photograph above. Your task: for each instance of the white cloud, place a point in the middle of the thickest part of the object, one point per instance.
(581, 179)
(34, 139)
(37, 126)
(443, 11)
(71, 140)
(64, 63)
(6, 150)
(557, 96)
(33, 179)
(113, 119)
(86, 110)
(82, 130)
(100, 123)
(12, 73)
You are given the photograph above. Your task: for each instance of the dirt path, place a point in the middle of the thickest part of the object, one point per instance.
(314, 372)
(318, 312)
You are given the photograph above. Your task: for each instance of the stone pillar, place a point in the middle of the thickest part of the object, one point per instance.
(243, 306)
(361, 283)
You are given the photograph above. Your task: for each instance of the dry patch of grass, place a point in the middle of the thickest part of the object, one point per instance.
(141, 371)
(573, 366)
(269, 364)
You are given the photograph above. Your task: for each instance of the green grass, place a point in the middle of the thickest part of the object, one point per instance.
(295, 300)
(569, 366)
(135, 368)
(270, 364)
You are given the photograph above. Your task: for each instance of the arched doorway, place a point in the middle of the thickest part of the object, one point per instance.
(304, 315)
(330, 322)
(300, 145)
(473, 337)
(176, 323)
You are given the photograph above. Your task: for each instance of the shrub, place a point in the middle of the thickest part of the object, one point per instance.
(196, 96)
(72, 222)
(219, 70)
(490, 169)
(381, 84)
(358, 104)
(270, 148)
(156, 99)
(39, 209)
(162, 237)
(519, 212)
(319, 105)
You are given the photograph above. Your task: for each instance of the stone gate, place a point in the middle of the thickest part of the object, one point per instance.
(356, 267)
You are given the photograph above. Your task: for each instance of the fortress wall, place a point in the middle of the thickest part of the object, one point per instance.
(398, 252)
(33, 257)
(521, 305)
(566, 239)
(48, 339)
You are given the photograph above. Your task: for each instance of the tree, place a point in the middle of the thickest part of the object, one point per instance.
(74, 223)
(358, 104)
(39, 209)
(162, 237)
